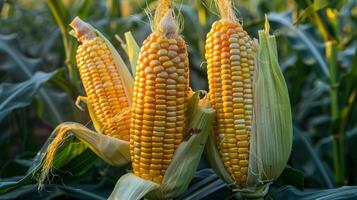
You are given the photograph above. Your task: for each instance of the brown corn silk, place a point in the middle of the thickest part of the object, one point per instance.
(102, 82)
(160, 98)
(230, 64)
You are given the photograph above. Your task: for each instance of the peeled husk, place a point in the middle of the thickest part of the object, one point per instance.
(186, 157)
(112, 150)
(273, 121)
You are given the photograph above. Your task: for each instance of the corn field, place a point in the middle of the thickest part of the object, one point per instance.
(178, 99)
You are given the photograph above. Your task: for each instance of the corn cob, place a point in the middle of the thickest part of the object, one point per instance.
(159, 102)
(102, 82)
(230, 65)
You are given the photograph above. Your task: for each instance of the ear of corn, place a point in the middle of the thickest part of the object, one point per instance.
(159, 103)
(253, 127)
(168, 132)
(102, 82)
(230, 65)
(108, 84)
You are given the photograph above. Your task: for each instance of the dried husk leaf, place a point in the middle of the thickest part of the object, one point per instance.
(185, 160)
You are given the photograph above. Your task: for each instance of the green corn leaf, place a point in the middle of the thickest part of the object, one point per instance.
(291, 193)
(14, 96)
(313, 8)
(60, 14)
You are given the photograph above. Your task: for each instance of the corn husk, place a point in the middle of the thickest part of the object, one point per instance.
(132, 187)
(98, 126)
(132, 50)
(184, 163)
(215, 160)
(271, 135)
(272, 138)
(112, 150)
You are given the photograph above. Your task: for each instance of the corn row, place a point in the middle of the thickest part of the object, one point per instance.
(230, 64)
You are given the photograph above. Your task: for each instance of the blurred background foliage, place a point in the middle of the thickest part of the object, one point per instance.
(39, 83)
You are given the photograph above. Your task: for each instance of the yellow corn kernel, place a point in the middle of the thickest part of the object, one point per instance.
(230, 64)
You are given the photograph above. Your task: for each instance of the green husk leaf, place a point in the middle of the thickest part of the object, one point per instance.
(98, 126)
(192, 105)
(185, 160)
(113, 151)
(127, 78)
(215, 160)
(187, 156)
(271, 138)
(132, 187)
(133, 50)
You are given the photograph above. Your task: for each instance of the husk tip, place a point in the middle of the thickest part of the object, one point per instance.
(82, 30)
(266, 25)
